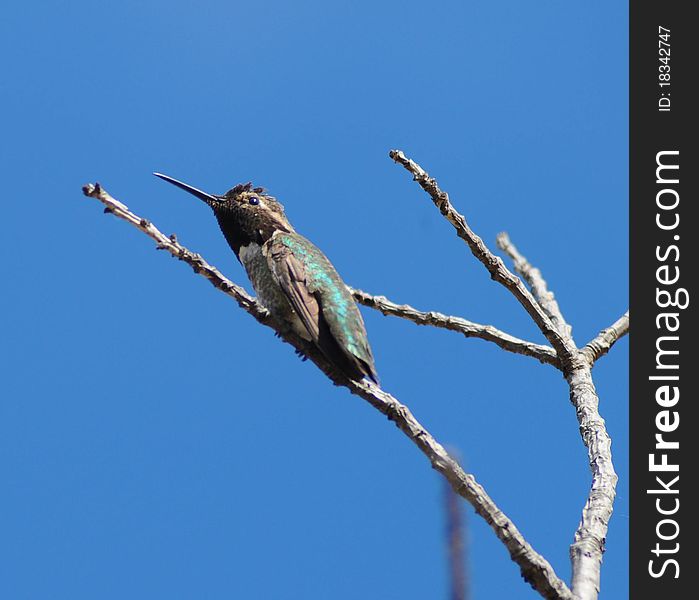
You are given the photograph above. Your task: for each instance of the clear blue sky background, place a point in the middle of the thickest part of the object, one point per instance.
(155, 442)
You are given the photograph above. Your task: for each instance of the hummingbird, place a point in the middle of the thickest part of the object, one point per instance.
(292, 278)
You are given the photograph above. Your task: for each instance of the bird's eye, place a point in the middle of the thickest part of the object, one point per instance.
(254, 200)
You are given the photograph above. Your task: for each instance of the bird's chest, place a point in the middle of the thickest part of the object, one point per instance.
(254, 260)
(268, 290)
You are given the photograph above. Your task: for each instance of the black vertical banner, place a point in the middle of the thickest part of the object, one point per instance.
(663, 192)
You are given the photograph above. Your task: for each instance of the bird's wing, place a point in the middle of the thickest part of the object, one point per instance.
(291, 274)
(355, 346)
(317, 293)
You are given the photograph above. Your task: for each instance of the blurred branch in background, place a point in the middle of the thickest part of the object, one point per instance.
(457, 543)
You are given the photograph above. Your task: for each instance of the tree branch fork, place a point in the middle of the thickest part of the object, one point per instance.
(562, 353)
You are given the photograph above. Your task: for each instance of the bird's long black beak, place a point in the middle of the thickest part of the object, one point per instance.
(208, 198)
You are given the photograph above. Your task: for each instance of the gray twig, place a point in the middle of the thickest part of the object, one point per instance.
(545, 354)
(606, 338)
(534, 568)
(537, 285)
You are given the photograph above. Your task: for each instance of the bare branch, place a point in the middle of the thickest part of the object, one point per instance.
(564, 347)
(606, 338)
(534, 568)
(170, 243)
(545, 354)
(538, 286)
(588, 545)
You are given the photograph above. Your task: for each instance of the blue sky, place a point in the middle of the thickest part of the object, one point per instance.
(155, 442)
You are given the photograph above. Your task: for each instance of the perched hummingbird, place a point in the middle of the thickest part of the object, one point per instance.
(292, 278)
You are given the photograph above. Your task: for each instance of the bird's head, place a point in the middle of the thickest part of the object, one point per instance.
(245, 213)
